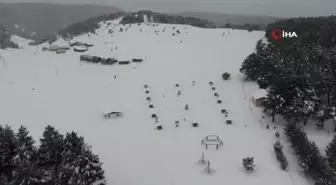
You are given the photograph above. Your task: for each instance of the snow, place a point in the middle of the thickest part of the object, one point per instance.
(71, 96)
(16, 26)
(260, 93)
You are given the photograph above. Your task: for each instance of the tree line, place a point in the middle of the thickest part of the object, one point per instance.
(58, 160)
(298, 73)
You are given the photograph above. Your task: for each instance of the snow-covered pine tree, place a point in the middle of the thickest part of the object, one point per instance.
(50, 155)
(318, 167)
(26, 171)
(251, 66)
(280, 155)
(331, 154)
(25, 146)
(8, 151)
(82, 166)
(248, 163)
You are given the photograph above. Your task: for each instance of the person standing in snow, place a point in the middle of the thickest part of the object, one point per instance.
(178, 93)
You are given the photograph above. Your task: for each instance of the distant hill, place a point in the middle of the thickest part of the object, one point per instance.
(220, 19)
(91, 24)
(35, 20)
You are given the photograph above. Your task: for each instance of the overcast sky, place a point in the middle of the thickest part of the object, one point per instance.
(283, 8)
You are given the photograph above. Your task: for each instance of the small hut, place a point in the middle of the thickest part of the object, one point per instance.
(258, 97)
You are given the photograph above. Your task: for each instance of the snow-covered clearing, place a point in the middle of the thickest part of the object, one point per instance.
(41, 88)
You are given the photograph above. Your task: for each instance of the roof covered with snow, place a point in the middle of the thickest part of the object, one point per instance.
(261, 93)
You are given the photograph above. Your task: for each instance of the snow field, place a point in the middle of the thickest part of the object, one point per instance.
(71, 96)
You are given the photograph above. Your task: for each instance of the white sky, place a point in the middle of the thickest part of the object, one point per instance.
(283, 8)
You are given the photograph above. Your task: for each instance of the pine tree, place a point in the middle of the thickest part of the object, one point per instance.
(248, 163)
(82, 166)
(280, 155)
(331, 154)
(8, 151)
(26, 171)
(25, 146)
(50, 155)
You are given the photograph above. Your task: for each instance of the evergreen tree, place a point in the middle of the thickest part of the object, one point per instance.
(50, 155)
(26, 171)
(8, 151)
(248, 163)
(83, 167)
(25, 146)
(331, 154)
(280, 155)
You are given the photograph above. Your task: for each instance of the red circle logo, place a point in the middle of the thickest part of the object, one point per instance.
(276, 34)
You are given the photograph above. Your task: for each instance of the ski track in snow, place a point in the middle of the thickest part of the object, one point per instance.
(41, 88)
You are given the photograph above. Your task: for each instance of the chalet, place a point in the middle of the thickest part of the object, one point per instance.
(80, 49)
(64, 47)
(109, 61)
(53, 48)
(137, 60)
(109, 115)
(60, 51)
(88, 58)
(124, 62)
(258, 97)
(78, 43)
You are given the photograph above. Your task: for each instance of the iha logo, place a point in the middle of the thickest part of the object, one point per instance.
(278, 34)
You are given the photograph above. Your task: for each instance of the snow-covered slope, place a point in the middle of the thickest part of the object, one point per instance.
(41, 88)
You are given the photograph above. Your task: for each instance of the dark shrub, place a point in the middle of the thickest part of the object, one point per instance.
(159, 127)
(213, 88)
(219, 101)
(151, 106)
(248, 163)
(226, 76)
(153, 115)
(223, 111)
(147, 92)
(195, 124)
(229, 122)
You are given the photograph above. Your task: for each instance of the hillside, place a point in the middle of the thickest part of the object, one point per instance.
(220, 19)
(91, 24)
(59, 90)
(36, 20)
